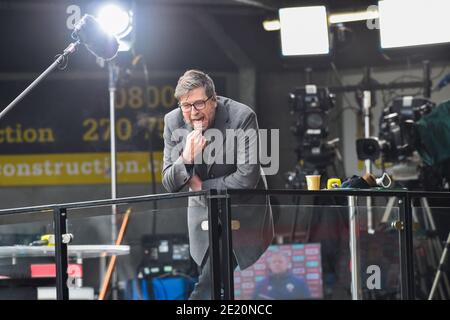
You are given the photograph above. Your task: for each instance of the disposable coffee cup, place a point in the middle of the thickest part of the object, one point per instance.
(313, 182)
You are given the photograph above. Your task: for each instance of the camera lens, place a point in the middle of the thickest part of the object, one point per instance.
(367, 148)
(370, 149)
(314, 121)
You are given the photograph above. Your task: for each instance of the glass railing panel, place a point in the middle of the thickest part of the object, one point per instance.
(431, 235)
(27, 255)
(141, 252)
(310, 255)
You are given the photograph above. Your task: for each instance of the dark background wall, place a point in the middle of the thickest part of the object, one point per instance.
(224, 38)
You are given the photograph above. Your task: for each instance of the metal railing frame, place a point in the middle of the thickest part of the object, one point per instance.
(220, 235)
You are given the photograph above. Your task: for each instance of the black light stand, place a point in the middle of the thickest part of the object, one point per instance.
(113, 74)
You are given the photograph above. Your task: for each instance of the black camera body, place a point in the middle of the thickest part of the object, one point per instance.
(310, 106)
(397, 127)
(368, 148)
(397, 138)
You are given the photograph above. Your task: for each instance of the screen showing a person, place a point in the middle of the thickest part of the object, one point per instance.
(283, 272)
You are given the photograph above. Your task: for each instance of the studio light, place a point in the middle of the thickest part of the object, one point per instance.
(333, 18)
(271, 25)
(406, 23)
(304, 31)
(102, 44)
(116, 21)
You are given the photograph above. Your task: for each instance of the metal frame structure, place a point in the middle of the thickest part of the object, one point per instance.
(405, 237)
(60, 226)
(219, 210)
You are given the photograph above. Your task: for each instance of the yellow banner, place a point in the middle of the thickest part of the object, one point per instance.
(77, 168)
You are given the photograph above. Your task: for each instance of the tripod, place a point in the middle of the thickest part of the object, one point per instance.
(318, 225)
(433, 246)
(440, 267)
(310, 167)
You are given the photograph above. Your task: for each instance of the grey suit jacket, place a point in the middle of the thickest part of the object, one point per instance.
(256, 223)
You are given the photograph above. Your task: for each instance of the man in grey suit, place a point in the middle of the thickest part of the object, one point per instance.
(189, 163)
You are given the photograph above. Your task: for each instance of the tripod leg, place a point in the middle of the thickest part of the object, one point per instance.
(438, 249)
(427, 211)
(441, 265)
(432, 259)
(414, 215)
(425, 253)
(388, 210)
(436, 244)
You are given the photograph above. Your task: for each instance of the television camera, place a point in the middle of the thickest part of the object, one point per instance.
(397, 139)
(310, 106)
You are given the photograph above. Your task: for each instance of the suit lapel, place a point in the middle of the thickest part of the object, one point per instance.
(221, 123)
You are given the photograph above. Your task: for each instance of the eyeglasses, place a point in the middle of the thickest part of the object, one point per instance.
(198, 105)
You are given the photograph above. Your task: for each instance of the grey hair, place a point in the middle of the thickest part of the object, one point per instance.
(193, 79)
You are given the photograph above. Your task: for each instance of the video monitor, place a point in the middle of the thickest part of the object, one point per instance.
(283, 272)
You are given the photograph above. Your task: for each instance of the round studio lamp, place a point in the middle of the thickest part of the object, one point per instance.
(115, 20)
(101, 43)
